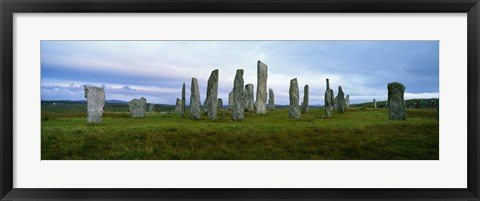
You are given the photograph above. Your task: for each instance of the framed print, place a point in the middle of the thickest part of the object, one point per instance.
(161, 100)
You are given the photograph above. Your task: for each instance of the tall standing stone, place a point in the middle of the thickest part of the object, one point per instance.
(219, 104)
(205, 106)
(238, 96)
(249, 98)
(213, 95)
(95, 103)
(333, 100)
(151, 106)
(230, 100)
(340, 100)
(396, 103)
(305, 99)
(294, 111)
(182, 107)
(374, 103)
(261, 100)
(178, 106)
(328, 100)
(137, 107)
(271, 100)
(347, 101)
(195, 104)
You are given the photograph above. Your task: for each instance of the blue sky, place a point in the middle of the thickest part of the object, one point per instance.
(157, 69)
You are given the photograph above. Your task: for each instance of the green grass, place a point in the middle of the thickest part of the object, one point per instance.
(357, 134)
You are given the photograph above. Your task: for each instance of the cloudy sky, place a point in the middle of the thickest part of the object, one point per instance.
(157, 69)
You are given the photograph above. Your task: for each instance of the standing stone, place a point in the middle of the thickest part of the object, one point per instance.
(261, 101)
(396, 103)
(205, 106)
(137, 107)
(230, 100)
(152, 106)
(195, 105)
(328, 100)
(212, 95)
(340, 100)
(249, 98)
(95, 103)
(347, 101)
(219, 104)
(294, 112)
(178, 106)
(182, 106)
(305, 99)
(271, 100)
(374, 103)
(333, 100)
(238, 96)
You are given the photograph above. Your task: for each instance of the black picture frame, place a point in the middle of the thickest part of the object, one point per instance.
(9, 7)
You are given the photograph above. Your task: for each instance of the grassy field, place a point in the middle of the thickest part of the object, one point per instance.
(357, 134)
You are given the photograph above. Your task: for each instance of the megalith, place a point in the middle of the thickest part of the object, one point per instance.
(248, 104)
(305, 99)
(230, 100)
(182, 106)
(347, 101)
(396, 102)
(178, 106)
(195, 104)
(212, 95)
(219, 105)
(333, 100)
(95, 103)
(238, 96)
(340, 100)
(261, 99)
(328, 100)
(271, 100)
(137, 107)
(294, 112)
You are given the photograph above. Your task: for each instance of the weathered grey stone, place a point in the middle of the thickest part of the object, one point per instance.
(305, 99)
(261, 100)
(195, 104)
(151, 106)
(238, 96)
(219, 104)
(332, 100)
(328, 100)
(178, 106)
(347, 102)
(205, 106)
(340, 100)
(230, 100)
(182, 106)
(95, 103)
(396, 103)
(271, 100)
(248, 104)
(137, 107)
(374, 103)
(294, 111)
(212, 95)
